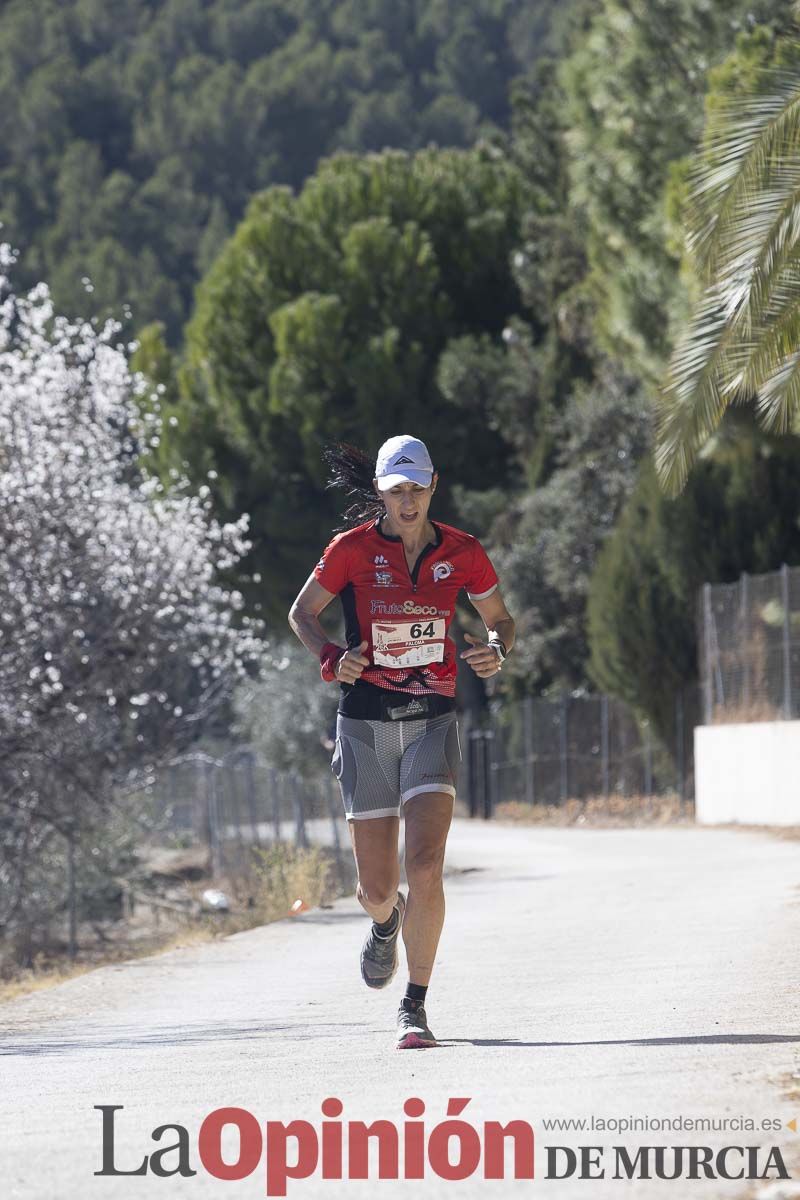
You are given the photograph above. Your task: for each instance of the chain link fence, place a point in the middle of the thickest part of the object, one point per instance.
(538, 751)
(236, 801)
(548, 751)
(749, 641)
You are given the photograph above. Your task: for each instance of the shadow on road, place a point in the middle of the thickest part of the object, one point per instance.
(128, 1038)
(709, 1039)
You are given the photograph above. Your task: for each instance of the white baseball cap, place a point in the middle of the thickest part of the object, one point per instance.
(403, 459)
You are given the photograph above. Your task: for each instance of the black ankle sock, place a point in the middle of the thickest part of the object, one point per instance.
(414, 997)
(388, 927)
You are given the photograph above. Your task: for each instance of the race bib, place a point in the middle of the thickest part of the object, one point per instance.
(407, 643)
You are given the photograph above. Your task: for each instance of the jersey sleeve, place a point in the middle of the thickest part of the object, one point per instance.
(332, 570)
(483, 577)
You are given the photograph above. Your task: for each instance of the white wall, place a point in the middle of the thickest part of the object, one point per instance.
(748, 773)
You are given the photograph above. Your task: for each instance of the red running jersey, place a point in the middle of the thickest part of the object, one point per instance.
(404, 615)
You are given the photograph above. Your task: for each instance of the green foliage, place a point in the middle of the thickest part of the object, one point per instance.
(546, 544)
(345, 312)
(634, 87)
(347, 291)
(478, 376)
(555, 347)
(287, 714)
(135, 132)
(740, 210)
(738, 513)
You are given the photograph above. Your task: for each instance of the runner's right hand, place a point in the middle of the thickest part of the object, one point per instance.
(351, 664)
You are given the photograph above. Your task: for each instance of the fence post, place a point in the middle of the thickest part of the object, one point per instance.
(276, 804)
(464, 727)
(480, 774)
(472, 754)
(213, 816)
(648, 761)
(527, 717)
(72, 893)
(787, 649)
(488, 766)
(479, 801)
(744, 638)
(708, 696)
(250, 789)
(200, 807)
(564, 779)
(298, 798)
(232, 814)
(681, 788)
(604, 743)
(334, 797)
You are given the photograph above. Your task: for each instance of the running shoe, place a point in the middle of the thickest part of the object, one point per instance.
(412, 1030)
(379, 955)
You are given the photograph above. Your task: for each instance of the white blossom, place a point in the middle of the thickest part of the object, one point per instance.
(108, 579)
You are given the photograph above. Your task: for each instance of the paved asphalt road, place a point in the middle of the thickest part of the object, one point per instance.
(615, 973)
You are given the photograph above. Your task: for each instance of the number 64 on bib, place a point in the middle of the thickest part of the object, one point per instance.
(408, 643)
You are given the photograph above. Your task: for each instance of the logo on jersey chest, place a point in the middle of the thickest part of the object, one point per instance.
(442, 569)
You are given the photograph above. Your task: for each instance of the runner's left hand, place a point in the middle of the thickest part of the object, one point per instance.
(482, 658)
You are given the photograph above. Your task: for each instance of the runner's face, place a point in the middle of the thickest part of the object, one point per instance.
(407, 504)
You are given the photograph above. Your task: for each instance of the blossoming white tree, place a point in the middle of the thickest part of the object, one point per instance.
(117, 642)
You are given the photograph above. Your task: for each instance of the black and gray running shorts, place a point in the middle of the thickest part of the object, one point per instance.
(382, 764)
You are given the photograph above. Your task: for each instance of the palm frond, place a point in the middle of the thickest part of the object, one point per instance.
(691, 404)
(773, 339)
(742, 140)
(778, 403)
(763, 239)
(744, 231)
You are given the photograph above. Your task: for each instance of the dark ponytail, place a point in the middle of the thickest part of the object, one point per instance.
(351, 470)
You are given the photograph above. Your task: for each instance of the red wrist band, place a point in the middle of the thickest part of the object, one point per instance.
(329, 656)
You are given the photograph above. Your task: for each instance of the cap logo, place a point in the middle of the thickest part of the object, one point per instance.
(403, 459)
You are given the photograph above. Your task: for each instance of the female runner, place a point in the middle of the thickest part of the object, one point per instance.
(397, 748)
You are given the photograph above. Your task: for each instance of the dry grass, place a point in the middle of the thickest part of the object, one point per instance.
(283, 875)
(277, 878)
(34, 979)
(624, 811)
(600, 812)
(746, 714)
(789, 833)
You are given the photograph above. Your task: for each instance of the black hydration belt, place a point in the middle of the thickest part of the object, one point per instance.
(370, 703)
